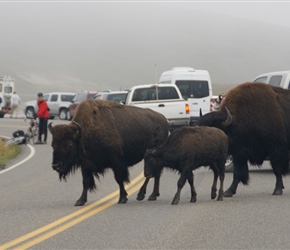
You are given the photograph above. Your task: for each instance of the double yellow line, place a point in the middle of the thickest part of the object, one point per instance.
(72, 219)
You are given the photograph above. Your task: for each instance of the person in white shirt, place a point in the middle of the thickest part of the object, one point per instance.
(15, 101)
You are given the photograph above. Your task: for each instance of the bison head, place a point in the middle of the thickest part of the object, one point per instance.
(219, 119)
(65, 144)
(153, 163)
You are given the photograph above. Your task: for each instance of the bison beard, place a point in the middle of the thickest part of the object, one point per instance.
(259, 130)
(106, 135)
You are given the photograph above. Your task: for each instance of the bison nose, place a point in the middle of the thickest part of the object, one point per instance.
(56, 166)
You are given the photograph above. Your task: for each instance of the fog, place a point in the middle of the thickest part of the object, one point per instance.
(95, 45)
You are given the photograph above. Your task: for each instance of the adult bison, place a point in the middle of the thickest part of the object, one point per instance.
(105, 135)
(255, 116)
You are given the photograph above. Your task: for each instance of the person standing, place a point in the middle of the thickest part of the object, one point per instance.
(43, 115)
(15, 101)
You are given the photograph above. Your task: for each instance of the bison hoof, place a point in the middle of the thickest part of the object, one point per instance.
(175, 201)
(140, 197)
(153, 197)
(229, 193)
(220, 198)
(193, 199)
(277, 191)
(123, 200)
(80, 203)
(213, 195)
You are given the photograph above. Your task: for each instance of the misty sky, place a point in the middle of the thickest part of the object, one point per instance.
(65, 45)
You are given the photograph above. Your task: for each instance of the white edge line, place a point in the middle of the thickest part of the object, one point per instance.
(32, 152)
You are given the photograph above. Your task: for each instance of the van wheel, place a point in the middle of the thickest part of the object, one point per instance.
(63, 114)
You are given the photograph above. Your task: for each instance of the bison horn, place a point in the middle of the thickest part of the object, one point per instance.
(229, 119)
(50, 127)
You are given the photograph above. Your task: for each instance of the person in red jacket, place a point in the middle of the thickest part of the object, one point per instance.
(43, 115)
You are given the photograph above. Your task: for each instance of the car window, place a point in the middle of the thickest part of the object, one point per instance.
(289, 85)
(121, 97)
(261, 79)
(98, 97)
(46, 97)
(81, 97)
(91, 96)
(144, 94)
(167, 93)
(66, 98)
(193, 89)
(275, 80)
(53, 98)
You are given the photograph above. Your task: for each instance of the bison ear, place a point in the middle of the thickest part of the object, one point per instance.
(50, 127)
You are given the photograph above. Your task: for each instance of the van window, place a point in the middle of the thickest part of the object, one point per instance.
(7, 89)
(275, 80)
(193, 89)
(261, 79)
(149, 94)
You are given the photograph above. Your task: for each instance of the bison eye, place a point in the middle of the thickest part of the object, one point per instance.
(69, 146)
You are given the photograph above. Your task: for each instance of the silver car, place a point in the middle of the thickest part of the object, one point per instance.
(58, 103)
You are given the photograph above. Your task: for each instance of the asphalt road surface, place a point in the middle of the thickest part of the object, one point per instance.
(37, 210)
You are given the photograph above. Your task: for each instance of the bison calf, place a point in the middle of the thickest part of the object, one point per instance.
(187, 149)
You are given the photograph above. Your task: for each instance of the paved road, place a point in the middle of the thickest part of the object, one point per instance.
(37, 211)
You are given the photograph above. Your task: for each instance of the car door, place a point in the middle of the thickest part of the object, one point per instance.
(53, 104)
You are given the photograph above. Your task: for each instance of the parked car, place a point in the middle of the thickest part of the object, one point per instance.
(58, 103)
(113, 96)
(278, 78)
(78, 98)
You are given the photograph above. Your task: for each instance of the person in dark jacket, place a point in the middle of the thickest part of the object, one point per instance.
(43, 115)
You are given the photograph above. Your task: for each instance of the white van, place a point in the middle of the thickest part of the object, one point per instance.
(194, 85)
(7, 87)
(279, 79)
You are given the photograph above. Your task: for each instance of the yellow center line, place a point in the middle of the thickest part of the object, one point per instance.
(111, 198)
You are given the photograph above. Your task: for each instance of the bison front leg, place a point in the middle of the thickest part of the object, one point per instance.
(155, 193)
(180, 185)
(121, 176)
(241, 173)
(142, 191)
(88, 184)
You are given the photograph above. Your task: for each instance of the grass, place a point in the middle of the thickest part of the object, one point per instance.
(7, 153)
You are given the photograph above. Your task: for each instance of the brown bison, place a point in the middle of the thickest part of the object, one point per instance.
(105, 135)
(255, 116)
(187, 149)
